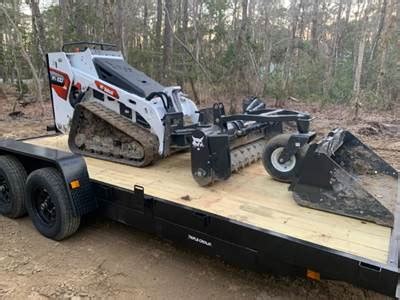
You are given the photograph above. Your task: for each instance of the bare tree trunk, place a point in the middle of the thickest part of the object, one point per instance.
(19, 82)
(39, 33)
(168, 38)
(98, 29)
(120, 24)
(17, 72)
(244, 23)
(301, 19)
(157, 43)
(239, 84)
(145, 24)
(235, 14)
(314, 26)
(185, 20)
(333, 57)
(79, 20)
(64, 12)
(380, 28)
(348, 10)
(251, 18)
(387, 29)
(398, 15)
(267, 45)
(343, 30)
(109, 27)
(198, 17)
(300, 30)
(194, 90)
(158, 24)
(17, 69)
(240, 47)
(26, 57)
(184, 25)
(287, 69)
(7, 67)
(178, 14)
(359, 62)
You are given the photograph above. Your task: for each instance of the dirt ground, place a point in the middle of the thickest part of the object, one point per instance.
(109, 260)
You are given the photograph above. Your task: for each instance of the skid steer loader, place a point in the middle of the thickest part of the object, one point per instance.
(114, 112)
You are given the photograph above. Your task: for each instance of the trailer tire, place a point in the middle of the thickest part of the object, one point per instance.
(49, 206)
(12, 187)
(281, 172)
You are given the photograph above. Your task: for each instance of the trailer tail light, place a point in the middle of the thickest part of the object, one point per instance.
(75, 184)
(313, 275)
(106, 89)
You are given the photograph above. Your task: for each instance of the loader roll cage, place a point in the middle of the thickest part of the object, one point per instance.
(103, 46)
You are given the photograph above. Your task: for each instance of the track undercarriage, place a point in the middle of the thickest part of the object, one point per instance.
(101, 133)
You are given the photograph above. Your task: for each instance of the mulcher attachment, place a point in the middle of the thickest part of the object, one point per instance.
(236, 141)
(343, 176)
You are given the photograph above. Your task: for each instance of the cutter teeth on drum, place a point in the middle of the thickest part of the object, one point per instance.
(244, 156)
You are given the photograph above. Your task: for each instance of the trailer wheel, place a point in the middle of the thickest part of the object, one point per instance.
(49, 206)
(282, 172)
(12, 187)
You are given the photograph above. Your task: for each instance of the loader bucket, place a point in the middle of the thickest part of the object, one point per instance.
(341, 175)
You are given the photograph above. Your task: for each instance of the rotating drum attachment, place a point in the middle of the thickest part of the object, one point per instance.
(343, 176)
(214, 157)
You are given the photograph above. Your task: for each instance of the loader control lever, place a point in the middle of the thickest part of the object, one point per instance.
(76, 95)
(166, 100)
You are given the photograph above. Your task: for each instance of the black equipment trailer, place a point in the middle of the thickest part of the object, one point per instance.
(249, 220)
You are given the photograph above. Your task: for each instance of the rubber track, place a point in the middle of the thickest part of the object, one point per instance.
(246, 154)
(143, 136)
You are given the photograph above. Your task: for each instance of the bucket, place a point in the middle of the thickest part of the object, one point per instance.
(342, 175)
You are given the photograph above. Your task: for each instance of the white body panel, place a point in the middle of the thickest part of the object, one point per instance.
(63, 111)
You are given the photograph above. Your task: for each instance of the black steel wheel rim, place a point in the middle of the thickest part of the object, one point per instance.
(44, 207)
(4, 191)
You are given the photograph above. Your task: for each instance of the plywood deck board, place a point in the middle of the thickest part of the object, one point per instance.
(249, 196)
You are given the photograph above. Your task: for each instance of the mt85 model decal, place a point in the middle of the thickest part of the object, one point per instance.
(60, 83)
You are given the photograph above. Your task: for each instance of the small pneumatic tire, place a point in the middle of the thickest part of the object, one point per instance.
(49, 206)
(281, 172)
(12, 187)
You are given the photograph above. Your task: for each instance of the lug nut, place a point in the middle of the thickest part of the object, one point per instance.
(2, 188)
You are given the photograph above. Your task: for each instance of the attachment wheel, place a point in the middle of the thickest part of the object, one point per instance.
(281, 171)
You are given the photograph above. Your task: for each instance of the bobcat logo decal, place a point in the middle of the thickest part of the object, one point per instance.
(197, 143)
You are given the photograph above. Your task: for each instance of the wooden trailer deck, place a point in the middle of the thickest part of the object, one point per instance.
(249, 196)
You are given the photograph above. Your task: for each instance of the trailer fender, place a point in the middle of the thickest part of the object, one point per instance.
(72, 167)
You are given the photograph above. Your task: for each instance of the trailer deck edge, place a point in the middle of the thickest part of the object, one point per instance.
(241, 244)
(237, 242)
